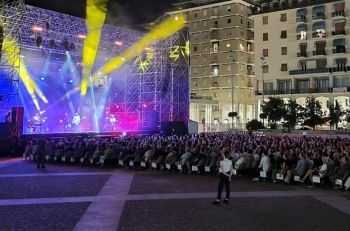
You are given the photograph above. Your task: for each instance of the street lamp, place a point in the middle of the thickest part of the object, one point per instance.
(262, 79)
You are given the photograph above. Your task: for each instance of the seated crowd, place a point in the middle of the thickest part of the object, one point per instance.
(313, 160)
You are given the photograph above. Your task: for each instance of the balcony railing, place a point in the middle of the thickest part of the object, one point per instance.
(319, 70)
(202, 97)
(318, 16)
(301, 19)
(339, 49)
(340, 13)
(321, 52)
(295, 91)
(342, 32)
(302, 54)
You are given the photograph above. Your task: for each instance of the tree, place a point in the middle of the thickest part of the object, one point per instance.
(274, 109)
(254, 125)
(313, 113)
(335, 114)
(293, 114)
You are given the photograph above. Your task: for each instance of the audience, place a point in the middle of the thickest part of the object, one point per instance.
(289, 158)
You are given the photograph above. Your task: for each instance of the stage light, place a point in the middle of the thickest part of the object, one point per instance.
(38, 41)
(170, 26)
(81, 36)
(71, 81)
(118, 43)
(37, 28)
(11, 50)
(144, 105)
(42, 78)
(52, 43)
(96, 11)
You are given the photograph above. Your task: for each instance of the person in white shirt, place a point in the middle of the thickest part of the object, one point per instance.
(225, 174)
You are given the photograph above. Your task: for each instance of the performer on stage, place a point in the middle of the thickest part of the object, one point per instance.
(65, 122)
(76, 121)
(225, 174)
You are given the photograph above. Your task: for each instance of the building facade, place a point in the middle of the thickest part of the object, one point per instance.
(303, 48)
(221, 63)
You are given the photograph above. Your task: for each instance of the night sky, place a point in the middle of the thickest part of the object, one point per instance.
(121, 12)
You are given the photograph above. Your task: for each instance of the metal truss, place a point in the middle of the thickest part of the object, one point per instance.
(11, 21)
(54, 28)
(157, 92)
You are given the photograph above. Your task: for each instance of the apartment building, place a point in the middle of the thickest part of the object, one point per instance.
(303, 48)
(221, 62)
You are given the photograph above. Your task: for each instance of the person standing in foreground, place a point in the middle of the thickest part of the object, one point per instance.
(225, 174)
(40, 154)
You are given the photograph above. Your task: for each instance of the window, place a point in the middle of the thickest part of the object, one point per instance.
(241, 21)
(215, 47)
(194, 71)
(229, 20)
(195, 15)
(228, 8)
(283, 17)
(215, 70)
(205, 12)
(195, 25)
(284, 50)
(265, 68)
(229, 68)
(205, 23)
(265, 20)
(283, 34)
(321, 63)
(265, 52)
(228, 45)
(284, 67)
(265, 36)
(195, 48)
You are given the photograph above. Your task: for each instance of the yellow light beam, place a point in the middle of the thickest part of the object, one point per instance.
(96, 11)
(12, 51)
(170, 26)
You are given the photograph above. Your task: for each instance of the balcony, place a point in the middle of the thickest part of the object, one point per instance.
(319, 16)
(319, 70)
(302, 54)
(301, 18)
(295, 91)
(339, 50)
(320, 52)
(342, 32)
(340, 13)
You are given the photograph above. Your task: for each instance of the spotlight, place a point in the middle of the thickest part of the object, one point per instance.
(38, 41)
(118, 43)
(37, 28)
(65, 44)
(42, 78)
(72, 46)
(144, 105)
(71, 81)
(81, 36)
(52, 44)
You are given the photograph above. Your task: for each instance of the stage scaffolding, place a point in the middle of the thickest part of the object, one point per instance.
(151, 94)
(11, 21)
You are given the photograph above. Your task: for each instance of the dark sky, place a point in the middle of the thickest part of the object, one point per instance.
(125, 12)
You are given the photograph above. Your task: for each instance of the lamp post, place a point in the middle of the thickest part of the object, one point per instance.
(262, 79)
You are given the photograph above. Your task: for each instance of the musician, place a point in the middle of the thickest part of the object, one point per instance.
(76, 120)
(65, 122)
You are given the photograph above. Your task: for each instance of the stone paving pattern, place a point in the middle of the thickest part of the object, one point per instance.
(90, 198)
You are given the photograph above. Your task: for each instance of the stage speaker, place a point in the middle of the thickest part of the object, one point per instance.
(174, 128)
(17, 120)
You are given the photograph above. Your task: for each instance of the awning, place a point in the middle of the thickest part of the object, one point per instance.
(339, 42)
(301, 27)
(318, 26)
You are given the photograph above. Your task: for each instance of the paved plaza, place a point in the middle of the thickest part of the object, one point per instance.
(92, 198)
